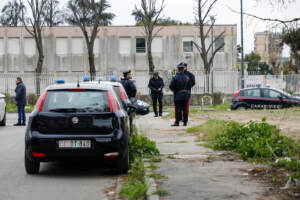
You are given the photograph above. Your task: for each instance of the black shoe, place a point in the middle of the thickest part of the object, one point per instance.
(185, 124)
(17, 124)
(23, 124)
(175, 124)
(160, 114)
(156, 115)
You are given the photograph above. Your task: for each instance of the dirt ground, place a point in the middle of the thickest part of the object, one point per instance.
(195, 172)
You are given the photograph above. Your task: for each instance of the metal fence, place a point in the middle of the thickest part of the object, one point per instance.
(227, 82)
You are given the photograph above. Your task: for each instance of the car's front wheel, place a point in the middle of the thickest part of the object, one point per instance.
(123, 163)
(241, 108)
(3, 122)
(32, 166)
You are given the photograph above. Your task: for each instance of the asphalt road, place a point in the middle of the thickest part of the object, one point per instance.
(56, 181)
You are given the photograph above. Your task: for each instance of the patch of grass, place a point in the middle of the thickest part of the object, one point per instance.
(156, 159)
(178, 142)
(14, 108)
(161, 192)
(136, 186)
(296, 176)
(289, 164)
(274, 179)
(171, 156)
(153, 166)
(141, 147)
(208, 130)
(157, 176)
(220, 107)
(211, 157)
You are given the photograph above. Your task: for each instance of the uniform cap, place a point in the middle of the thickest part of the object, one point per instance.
(127, 72)
(180, 66)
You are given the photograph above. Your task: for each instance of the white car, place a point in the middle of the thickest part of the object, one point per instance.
(2, 110)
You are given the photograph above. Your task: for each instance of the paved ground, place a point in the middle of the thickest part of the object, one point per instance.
(56, 180)
(190, 174)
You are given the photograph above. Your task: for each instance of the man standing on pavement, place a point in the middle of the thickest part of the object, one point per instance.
(192, 79)
(156, 85)
(21, 102)
(128, 84)
(180, 85)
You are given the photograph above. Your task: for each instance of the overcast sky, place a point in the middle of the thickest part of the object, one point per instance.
(183, 10)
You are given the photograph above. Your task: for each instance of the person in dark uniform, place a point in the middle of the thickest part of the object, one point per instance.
(156, 85)
(192, 79)
(128, 84)
(180, 85)
(21, 102)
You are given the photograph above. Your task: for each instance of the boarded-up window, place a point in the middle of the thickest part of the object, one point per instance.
(1, 46)
(187, 44)
(29, 47)
(61, 46)
(77, 46)
(157, 46)
(125, 45)
(14, 46)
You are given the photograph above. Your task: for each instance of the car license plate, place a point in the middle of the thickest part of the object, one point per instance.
(74, 144)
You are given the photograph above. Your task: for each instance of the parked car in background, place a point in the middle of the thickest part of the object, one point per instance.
(77, 121)
(2, 110)
(263, 98)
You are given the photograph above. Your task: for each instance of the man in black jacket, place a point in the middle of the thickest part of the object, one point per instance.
(21, 101)
(128, 85)
(156, 85)
(193, 82)
(180, 85)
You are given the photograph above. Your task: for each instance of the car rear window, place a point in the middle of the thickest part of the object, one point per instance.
(85, 101)
(252, 93)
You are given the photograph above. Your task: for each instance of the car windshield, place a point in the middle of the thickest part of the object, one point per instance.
(284, 93)
(76, 101)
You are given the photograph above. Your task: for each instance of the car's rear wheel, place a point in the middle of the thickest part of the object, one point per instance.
(3, 122)
(123, 163)
(32, 166)
(241, 108)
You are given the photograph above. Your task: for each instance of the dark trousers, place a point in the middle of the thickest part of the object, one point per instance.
(181, 111)
(159, 99)
(21, 114)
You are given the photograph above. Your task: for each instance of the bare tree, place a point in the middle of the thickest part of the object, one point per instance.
(34, 24)
(207, 53)
(53, 15)
(149, 16)
(89, 15)
(11, 14)
(275, 58)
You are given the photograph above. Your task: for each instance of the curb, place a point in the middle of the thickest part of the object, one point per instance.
(152, 186)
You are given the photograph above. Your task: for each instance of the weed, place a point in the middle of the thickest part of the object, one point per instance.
(153, 166)
(274, 179)
(157, 176)
(289, 164)
(135, 187)
(156, 159)
(160, 192)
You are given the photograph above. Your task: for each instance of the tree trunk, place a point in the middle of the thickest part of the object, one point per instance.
(38, 72)
(149, 54)
(92, 64)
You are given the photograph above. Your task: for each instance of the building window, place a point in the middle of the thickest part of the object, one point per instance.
(219, 42)
(125, 46)
(140, 45)
(61, 46)
(187, 44)
(29, 47)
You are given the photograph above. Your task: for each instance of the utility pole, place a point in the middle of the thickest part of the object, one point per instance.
(213, 19)
(242, 44)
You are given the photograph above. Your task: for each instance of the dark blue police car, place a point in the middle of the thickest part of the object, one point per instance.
(263, 98)
(77, 121)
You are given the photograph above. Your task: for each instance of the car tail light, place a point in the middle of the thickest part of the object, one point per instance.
(241, 99)
(111, 155)
(41, 101)
(113, 105)
(40, 155)
(237, 93)
(122, 94)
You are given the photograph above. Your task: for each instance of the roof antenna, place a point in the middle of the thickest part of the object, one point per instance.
(78, 81)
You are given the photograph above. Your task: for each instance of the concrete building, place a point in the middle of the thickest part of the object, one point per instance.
(117, 48)
(265, 45)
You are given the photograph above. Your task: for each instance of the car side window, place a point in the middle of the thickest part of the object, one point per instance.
(274, 94)
(252, 93)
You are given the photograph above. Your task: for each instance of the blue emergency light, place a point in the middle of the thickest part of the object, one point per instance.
(86, 78)
(60, 81)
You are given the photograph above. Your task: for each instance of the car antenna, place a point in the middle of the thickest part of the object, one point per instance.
(78, 85)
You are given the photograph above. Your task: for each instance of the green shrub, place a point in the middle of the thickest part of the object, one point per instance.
(217, 98)
(141, 147)
(31, 98)
(289, 164)
(255, 141)
(135, 187)
(8, 98)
